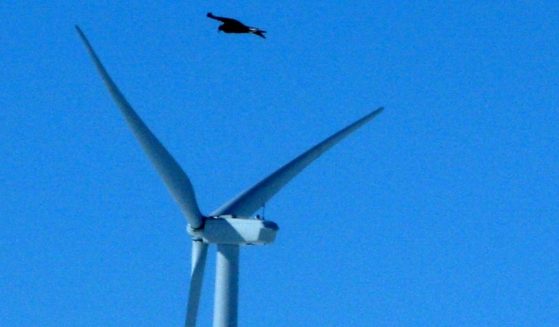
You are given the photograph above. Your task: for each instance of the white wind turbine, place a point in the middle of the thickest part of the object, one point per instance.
(231, 225)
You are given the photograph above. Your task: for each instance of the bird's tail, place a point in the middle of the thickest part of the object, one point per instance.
(258, 32)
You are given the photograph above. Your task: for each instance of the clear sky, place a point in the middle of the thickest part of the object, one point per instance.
(441, 212)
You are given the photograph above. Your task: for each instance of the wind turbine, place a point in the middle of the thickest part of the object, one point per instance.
(231, 225)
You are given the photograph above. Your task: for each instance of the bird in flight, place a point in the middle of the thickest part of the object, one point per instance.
(231, 25)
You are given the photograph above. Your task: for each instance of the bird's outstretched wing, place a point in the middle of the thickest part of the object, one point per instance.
(223, 19)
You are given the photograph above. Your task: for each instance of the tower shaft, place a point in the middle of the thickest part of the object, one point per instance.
(226, 286)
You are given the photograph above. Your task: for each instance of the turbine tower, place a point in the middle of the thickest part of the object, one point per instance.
(231, 225)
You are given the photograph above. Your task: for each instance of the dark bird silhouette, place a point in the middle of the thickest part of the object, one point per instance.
(231, 25)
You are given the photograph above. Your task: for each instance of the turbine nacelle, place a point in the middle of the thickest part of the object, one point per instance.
(235, 231)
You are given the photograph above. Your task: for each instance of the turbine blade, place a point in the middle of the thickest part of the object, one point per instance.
(172, 174)
(199, 254)
(247, 202)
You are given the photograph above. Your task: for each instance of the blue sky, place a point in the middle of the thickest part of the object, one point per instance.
(443, 211)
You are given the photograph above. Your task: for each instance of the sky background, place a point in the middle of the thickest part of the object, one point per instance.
(441, 212)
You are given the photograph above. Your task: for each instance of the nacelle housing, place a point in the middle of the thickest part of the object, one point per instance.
(239, 231)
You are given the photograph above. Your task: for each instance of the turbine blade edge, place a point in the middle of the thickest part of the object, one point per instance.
(199, 255)
(247, 202)
(175, 179)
